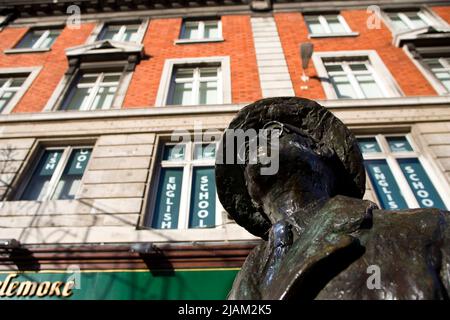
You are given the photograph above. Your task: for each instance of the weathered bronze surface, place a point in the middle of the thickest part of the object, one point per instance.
(320, 239)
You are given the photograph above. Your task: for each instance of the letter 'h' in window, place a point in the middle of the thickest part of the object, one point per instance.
(398, 174)
(185, 190)
(57, 174)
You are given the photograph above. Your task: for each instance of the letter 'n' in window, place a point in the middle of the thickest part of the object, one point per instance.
(184, 190)
(398, 174)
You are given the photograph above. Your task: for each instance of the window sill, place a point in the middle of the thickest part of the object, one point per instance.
(189, 41)
(333, 35)
(25, 50)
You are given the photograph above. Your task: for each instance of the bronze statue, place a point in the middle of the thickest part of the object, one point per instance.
(321, 241)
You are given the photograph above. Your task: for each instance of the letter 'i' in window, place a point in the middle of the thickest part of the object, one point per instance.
(397, 175)
(57, 174)
(185, 189)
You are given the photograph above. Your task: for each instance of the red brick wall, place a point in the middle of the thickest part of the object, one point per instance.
(293, 31)
(159, 45)
(443, 12)
(54, 63)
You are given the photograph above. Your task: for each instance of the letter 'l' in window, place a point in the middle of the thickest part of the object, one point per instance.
(185, 190)
(397, 174)
(57, 174)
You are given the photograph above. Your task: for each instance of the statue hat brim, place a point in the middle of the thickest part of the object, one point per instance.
(311, 118)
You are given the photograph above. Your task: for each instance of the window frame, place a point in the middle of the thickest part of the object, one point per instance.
(425, 70)
(171, 65)
(32, 72)
(196, 80)
(47, 28)
(95, 89)
(201, 27)
(321, 17)
(391, 160)
(188, 164)
(389, 86)
(63, 90)
(430, 16)
(100, 27)
(57, 174)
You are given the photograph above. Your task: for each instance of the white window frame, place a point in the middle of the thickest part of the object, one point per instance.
(95, 89)
(427, 14)
(380, 73)
(391, 160)
(170, 66)
(100, 27)
(201, 28)
(427, 73)
(59, 96)
(196, 80)
(35, 48)
(57, 174)
(188, 165)
(32, 74)
(325, 25)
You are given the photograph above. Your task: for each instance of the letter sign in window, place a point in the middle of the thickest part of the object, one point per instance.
(385, 186)
(168, 199)
(424, 191)
(203, 198)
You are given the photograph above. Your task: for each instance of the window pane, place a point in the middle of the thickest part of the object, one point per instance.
(208, 72)
(368, 145)
(28, 40)
(343, 87)
(111, 78)
(399, 144)
(88, 78)
(369, 86)
(211, 31)
(203, 198)
(184, 73)
(37, 187)
(48, 41)
(335, 25)
(191, 31)
(17, 82)
(182, 93)
(208, 92)
(130, 33)
(205, 151)
(70, 180)
(314, 25)
(168, 199)
(398, 23)
(104, 98)
(358, 67)
(416, 20)
(386, 188)
(174, 152)
(334, 68)
(108, 34)
(420, 183)
(78, 98)
(5, 98)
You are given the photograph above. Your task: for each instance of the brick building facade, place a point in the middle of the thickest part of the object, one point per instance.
(88, 104)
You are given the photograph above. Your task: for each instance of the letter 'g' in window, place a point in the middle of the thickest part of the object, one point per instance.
(397, 175)
(185, 190)
(57, 175)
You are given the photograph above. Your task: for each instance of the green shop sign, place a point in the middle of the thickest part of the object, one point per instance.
(209, 284)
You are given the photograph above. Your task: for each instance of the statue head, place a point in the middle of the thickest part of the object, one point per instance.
(317, 158)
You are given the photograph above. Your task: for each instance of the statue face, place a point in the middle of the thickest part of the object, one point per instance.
(304, 173)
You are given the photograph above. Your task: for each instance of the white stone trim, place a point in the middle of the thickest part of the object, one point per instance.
(33, 73)
(390, 85)
(166, 76)
(436, 84)
(274, 76)
(25, 50)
